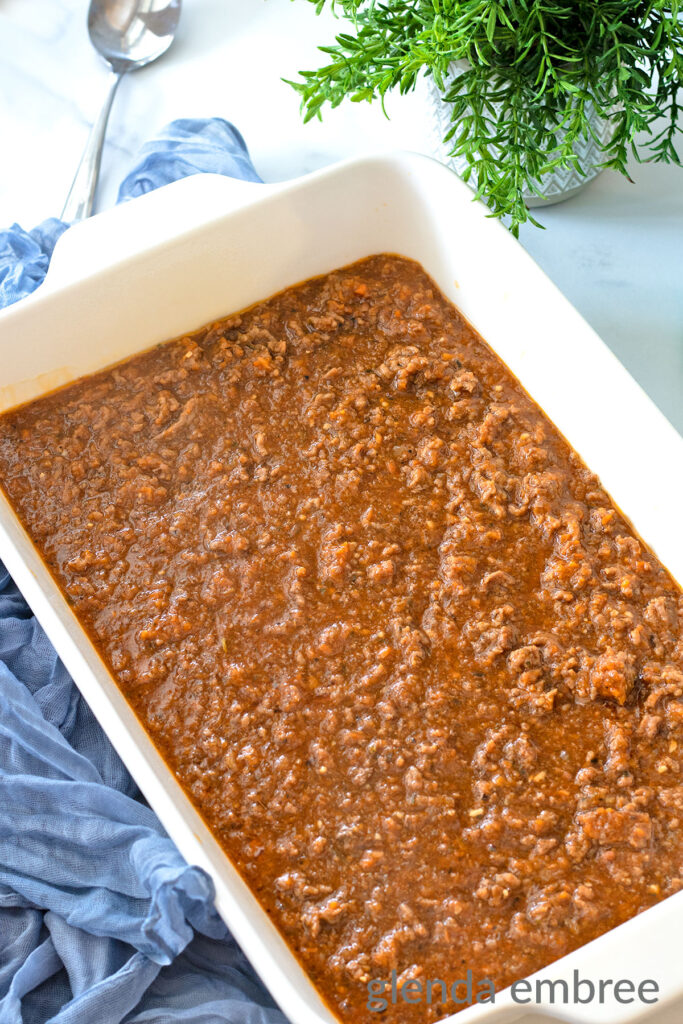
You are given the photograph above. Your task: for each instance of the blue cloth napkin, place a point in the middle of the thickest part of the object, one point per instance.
(101, 920)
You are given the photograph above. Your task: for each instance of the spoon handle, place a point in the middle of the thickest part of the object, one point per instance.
(80, 200)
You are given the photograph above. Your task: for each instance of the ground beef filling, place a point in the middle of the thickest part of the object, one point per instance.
(391, 635)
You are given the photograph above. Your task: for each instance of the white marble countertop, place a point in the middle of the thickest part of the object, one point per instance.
(616, 251)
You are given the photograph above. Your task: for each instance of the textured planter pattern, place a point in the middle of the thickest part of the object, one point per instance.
(555, 186)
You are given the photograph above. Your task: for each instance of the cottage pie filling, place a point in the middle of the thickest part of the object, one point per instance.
(413, 667)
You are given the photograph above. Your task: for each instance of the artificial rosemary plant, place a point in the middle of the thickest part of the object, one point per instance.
(534, 69)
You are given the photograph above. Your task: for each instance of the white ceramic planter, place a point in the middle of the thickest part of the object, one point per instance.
(557, 185)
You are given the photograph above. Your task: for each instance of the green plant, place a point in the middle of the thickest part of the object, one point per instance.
(534, 68)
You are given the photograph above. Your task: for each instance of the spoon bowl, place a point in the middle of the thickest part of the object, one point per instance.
(131, 33)
(128, 34)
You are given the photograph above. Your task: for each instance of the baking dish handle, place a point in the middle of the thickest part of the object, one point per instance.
(140, 224)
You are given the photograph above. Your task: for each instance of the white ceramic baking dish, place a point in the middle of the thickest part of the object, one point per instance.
(207, 246)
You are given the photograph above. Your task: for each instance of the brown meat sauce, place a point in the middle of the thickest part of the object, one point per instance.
(396, 642)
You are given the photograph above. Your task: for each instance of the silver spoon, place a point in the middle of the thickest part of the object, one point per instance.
(128, 34)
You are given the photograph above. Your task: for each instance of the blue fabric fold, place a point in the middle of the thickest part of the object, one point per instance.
(188, 147)
(101, 920)
(25, 257)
